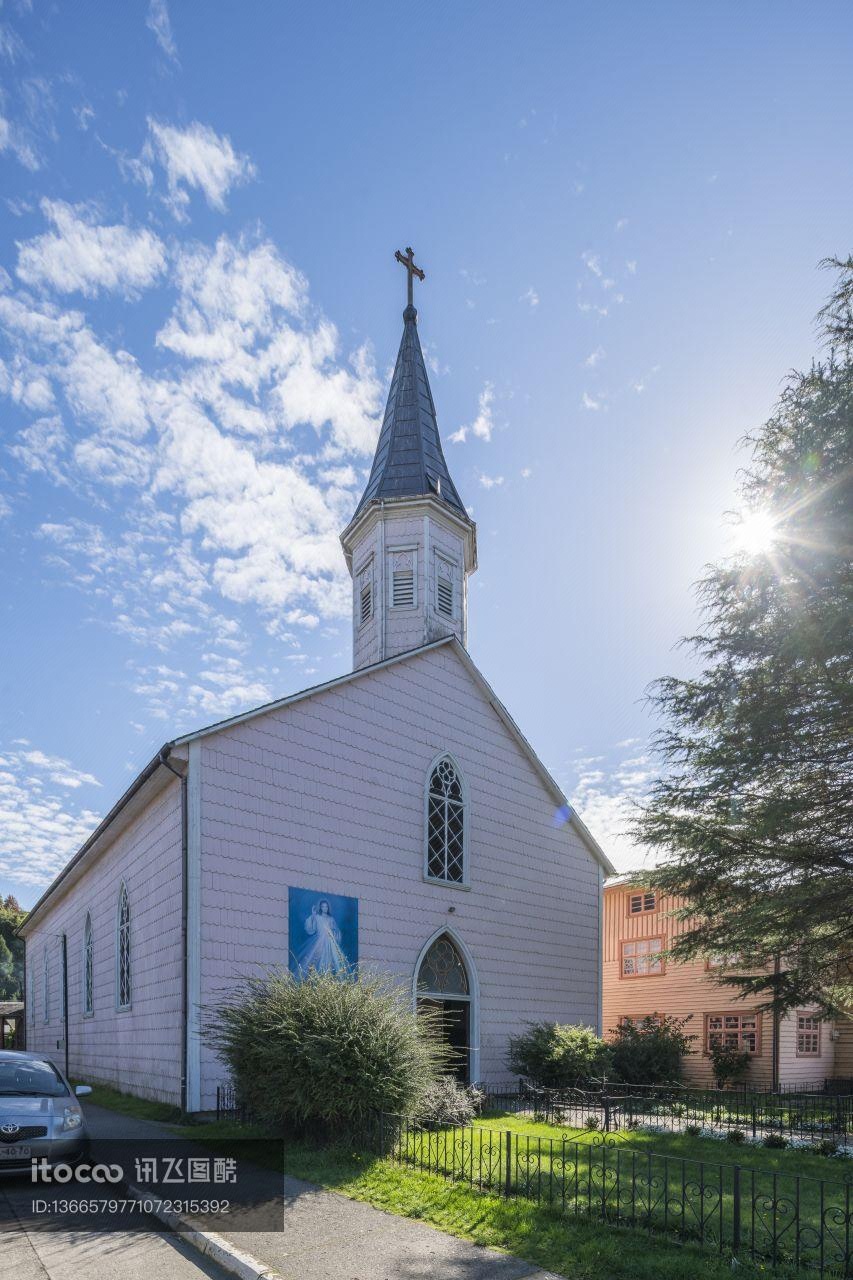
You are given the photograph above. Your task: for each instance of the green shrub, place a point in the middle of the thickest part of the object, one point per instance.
(447, 1102)
(827, 1147)
(650, 1052)
(324, 1050)
(775, 1140)
(592, 1123)
(728, 1064)
(559, 1057)
(737, 1136)
(693, 1130)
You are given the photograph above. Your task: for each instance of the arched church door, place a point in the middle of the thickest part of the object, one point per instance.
(443, 986)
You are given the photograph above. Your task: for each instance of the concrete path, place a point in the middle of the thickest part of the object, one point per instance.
(28, 1254)
(330, 1237)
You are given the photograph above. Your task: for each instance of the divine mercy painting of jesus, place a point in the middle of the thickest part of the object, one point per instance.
(323, 930)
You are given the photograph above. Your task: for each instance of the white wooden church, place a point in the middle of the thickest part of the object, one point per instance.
(394, 818)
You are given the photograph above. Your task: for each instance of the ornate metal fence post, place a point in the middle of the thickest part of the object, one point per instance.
(508, 1166)
(736, 1211)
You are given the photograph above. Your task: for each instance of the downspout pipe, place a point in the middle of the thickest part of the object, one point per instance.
(182, 778)
(775, 1061)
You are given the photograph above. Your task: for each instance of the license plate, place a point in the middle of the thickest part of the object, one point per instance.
(14, 1153)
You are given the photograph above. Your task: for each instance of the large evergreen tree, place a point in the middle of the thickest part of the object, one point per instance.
(11, 950)
(752, 814)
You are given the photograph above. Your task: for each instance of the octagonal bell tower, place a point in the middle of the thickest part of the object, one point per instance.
(410, 545)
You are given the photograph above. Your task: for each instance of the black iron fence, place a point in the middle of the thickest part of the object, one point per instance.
(810, 1117)
(229, 1106)
(778, 1219)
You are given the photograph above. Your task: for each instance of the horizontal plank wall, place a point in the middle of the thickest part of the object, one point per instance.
(328, 794)
(681, 990)
(137, 1049)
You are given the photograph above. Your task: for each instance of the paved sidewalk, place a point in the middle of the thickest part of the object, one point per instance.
(330, 1237)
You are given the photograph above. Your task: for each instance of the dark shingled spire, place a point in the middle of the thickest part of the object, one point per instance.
(409, 461)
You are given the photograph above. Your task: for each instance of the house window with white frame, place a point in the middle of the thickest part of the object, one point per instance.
(808, 1035)
(641, 903)
(740, 1031)
(445, 822)
(641, 957)
(124, 977)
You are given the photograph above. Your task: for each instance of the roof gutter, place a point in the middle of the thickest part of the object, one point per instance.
(137, 784)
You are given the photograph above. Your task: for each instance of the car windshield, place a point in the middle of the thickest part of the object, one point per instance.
(30, 1078)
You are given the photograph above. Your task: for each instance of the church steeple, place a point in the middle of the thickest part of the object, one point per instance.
(410, 544)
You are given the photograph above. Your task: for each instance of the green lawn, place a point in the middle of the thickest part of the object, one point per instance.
(577, 1247)
(141, 1108)
(791, 1160)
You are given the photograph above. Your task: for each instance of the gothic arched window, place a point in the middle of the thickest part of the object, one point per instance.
(88, 966)
(124, 987)
(442, 971)
(445, 823)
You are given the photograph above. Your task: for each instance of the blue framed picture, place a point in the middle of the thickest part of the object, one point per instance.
(323, 932)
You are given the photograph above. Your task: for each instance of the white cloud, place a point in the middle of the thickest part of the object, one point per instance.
(589, 402)
(490, 482)
(606, 794)
(157, 21)
(621, 224)
(641, 383)
(631, 267)
(81, 255)
(41, 824)
(595, 357)
(216, 502)
(531, 297)
(483, 424)
(593, 262)
(13, 138)
(195, 157)
(526, 473)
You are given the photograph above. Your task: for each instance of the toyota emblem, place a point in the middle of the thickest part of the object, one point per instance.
(9, 1130)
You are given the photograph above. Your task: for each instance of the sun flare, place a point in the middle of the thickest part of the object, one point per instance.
(755, 533)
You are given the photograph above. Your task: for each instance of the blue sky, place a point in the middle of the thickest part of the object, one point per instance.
(620, 209)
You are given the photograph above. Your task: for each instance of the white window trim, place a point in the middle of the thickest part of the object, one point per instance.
(391, 552)
(88, 933)
(123, 1008)
(451, 573)
(464, 883)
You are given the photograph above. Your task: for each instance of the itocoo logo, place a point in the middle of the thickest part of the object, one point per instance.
(42, 1171)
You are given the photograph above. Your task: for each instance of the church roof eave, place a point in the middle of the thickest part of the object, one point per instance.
(157, 771)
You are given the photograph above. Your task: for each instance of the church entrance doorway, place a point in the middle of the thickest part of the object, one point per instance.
(443, 988)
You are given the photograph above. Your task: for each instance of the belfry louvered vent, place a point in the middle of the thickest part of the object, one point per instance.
(366, 602)
(444, 593)
(403, 589)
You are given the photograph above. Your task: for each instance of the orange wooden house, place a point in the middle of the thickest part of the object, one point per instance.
(639, 982)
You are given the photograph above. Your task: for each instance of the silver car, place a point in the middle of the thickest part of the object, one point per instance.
(40, 1116)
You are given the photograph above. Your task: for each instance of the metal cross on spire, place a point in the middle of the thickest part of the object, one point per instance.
(408, 261)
